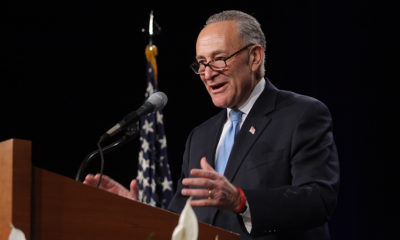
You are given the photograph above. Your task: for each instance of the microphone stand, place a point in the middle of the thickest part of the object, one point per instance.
(131, 133)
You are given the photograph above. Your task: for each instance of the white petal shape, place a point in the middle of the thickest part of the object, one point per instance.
(16, 234)
(188, 227)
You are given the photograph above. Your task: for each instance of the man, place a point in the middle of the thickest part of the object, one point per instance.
(280, 178)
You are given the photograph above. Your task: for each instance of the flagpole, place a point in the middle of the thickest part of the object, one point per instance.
(151, 49)
(153, 175)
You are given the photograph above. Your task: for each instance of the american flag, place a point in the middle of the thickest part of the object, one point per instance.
(154, 176)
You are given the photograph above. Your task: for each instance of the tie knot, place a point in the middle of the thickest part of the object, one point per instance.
(235, 115)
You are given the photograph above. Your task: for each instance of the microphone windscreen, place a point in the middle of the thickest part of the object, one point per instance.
(158, 100)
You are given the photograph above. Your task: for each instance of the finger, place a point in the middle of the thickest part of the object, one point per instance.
(204, 164)
(195, 192)
(134, 185)
(104, 179)
(97, 176)
(134, 189)
(211, 174)
(198, 182)
(89, 179)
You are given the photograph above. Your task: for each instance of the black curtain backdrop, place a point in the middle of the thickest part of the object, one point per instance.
(72, 69)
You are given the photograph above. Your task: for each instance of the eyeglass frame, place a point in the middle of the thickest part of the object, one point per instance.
(214, 60)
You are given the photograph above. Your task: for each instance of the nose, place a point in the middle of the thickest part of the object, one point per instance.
(209, 73)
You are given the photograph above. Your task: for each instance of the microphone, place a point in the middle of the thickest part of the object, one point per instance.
(155, 102)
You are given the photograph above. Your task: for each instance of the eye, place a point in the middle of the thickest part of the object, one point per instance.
(219, 59)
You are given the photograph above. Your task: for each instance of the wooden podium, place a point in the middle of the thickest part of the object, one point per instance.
(46, 205)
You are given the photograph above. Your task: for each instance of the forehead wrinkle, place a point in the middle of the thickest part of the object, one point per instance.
(213, 54)
(210, 46)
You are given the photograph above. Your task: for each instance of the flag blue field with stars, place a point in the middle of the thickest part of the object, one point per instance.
(154, 176)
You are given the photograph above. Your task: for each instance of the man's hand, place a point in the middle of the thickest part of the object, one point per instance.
(216, 190)
(112, 186)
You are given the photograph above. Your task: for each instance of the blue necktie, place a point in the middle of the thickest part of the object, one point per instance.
(226, 146)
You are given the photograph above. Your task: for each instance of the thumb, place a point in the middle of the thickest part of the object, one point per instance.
(134, 189)
(204, 164)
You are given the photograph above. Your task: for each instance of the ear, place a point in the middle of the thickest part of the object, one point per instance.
(256, 57)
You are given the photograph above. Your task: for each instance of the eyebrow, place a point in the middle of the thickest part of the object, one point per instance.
(212, 54)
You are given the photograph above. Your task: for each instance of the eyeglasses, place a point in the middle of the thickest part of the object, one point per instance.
(218, 64)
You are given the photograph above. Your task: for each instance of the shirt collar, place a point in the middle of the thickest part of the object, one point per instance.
(248, 104)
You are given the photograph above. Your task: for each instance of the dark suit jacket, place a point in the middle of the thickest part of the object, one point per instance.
(288, 169)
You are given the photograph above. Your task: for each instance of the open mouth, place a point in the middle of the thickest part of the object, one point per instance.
(218, 86)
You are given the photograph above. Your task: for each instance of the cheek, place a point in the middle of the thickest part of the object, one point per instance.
(236, 86)
(203, 81)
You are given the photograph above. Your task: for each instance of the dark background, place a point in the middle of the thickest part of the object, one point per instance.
(71, 70)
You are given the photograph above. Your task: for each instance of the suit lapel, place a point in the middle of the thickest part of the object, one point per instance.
(210, 145)
(215, 133)
(255, 123)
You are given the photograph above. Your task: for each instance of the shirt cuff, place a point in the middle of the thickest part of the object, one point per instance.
(246, 216)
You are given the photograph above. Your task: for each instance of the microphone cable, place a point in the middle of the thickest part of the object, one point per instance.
(131, 133)
(100, 150)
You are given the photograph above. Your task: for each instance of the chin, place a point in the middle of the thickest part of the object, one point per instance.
(221, 103)
(222, 100)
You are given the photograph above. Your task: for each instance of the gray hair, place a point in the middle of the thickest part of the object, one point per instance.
(248, 27)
